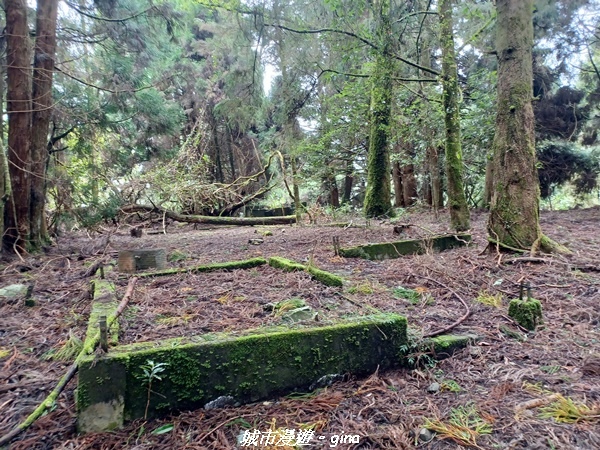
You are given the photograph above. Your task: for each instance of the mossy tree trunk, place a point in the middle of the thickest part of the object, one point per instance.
(514, 209)
(43, 72)
(457, 202)
(378, 195)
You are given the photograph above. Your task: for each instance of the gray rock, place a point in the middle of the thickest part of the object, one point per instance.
(426, 435)
(13, 291)
(326, 380)
(10, 294)
(220, 402)
(474, 351)
(434, 388)
(299, 314)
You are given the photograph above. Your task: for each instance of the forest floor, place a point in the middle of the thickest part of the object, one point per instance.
(509, 391)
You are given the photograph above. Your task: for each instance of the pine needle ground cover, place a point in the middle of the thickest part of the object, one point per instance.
(388, 409)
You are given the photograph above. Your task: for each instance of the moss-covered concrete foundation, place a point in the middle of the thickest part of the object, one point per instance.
(214, 267)
(396, 249)
(322, 276)
(105, 304)
(249, 366)
(131, 261)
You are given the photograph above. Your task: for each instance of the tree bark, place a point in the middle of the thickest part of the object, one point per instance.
(378, 195)
(457, 202)
(348, 182)
(43, 69)
(398, 189)
(433, 162)
(409, 185)
(514, 211)
(489, 182)
(19, 119)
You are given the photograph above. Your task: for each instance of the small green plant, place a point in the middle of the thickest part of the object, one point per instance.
(411, 295)
(151, 371)
(488, 299)
(68, 351)
(177, 255)
(362, 288)
(567, 410)
(450, 385)
(464, 426)
(290, 304)
(550, 369)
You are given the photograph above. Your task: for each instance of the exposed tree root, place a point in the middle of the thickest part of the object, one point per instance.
(547, 245)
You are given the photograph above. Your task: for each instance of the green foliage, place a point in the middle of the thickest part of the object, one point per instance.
(411, 295)
(489, 299)
(464, 426)
(565, 162)
(151, 372)
(450, 385)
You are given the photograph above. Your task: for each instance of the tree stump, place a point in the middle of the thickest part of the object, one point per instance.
(131, 261)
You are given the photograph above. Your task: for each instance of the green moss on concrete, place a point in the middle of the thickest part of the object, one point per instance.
(322, 276)
(527, 313)
(285, 264)
(231, 265)
(254, 365)
(104, 303)
(406, 247)
(426, 351)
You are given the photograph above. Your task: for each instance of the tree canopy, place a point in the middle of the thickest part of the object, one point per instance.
(204, 107)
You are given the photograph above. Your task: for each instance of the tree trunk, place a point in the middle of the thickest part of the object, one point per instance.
(348, 182)
(457, 202)
(19, 119)
(433, 163)
(229, 140)
(409, 185)
(489, 182)
(514, 212)
(296, 190)
(378, 195)
(398, 189)
(4, 178)
(43, 69)
(332, 188)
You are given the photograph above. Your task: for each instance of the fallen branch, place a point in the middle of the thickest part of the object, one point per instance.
(62, 383)
(459, 321)
(213, 220)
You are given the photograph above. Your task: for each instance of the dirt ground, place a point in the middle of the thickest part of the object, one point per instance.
(511, 390)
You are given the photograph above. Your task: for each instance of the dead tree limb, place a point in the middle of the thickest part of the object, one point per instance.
(212, 220)
(62, 383)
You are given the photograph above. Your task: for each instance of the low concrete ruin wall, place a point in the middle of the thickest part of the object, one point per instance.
(248, 366)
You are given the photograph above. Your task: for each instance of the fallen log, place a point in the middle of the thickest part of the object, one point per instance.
(88, 348)
(212, 220)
